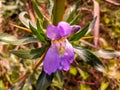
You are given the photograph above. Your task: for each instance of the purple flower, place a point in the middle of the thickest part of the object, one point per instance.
(60, 54)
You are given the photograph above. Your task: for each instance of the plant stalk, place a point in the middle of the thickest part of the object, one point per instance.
(58, 11)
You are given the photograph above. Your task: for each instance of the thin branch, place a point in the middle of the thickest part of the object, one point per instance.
(89, 44)
(23, 28)
(96, 27)
(30, 9)
(112, 2)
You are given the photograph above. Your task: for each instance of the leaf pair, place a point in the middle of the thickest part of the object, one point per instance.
(6, 39)
(38, 32)
(30, 54)
(90, 58)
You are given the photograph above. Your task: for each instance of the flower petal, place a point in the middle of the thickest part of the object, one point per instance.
(64, 29)
(51, 61)
(52, 32)
(68, 57)
(65, 64)
(75, 28)
(69, 52)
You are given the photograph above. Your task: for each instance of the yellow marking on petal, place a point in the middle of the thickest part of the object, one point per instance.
(60, 45)
(59, 40)
(61, 50)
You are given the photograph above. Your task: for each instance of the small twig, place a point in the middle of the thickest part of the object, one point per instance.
(88, 83)
(89, 44)
(87, 37)
(84, 9)
(8, 79)
(24, 47)
(23, 28)
(38, 62)
(29, 6)
(112, 2)
(96, 27)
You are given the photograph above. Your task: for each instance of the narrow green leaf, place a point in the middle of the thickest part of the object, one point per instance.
(44, 81)
(34, 31)
(30, 54)
(39, 14)
(9, 39)
(72, 11)
(90, 58)
(92, 24)
(74, 21)
(59, 76)
(40, 30)
(37, 33)
(80, 34)
(84, 31)
(70, 16)
(50, 7)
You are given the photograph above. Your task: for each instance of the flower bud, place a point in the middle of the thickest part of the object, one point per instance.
(75, 28)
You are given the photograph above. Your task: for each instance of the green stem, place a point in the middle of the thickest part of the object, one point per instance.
(58, 11)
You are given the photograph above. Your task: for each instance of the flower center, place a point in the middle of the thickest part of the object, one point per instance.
(61, 45)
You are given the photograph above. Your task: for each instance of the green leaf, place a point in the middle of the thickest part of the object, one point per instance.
(2, 86)
(9, 39)
(74, 21)
(84, 31)
(91, 26)
(39, 14)
(59, 80)
(44, 81)
(90, 58)
(72, 11)
(30, 54)
(37, 33)
(83, 74)
(70, 16)
(40, 30)
(50, 6)
(25, 20)
(104, 85)
(73, 70)
(107, 54)
(80, 34)
(84, 87)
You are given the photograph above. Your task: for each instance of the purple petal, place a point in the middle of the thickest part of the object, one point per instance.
(51, 61)
(75, 28)
(65, 64)
(64, 29)
(52, 32)
(68, 57)
(69, 52)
